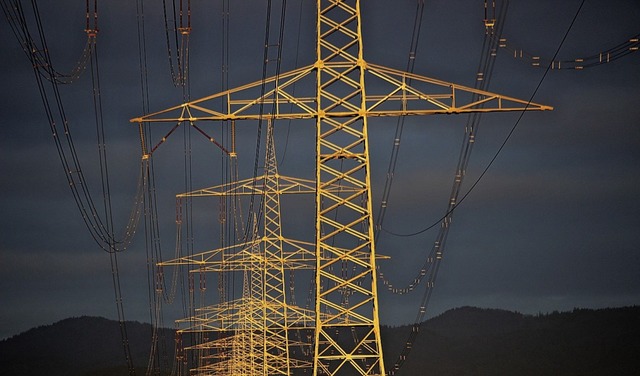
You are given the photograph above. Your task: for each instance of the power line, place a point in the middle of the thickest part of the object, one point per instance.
(513, 128)
(445, 221)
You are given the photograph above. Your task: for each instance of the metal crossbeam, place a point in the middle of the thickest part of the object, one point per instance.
(390, 93)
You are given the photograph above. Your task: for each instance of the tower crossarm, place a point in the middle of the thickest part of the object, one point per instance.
(225, 342)
(297, 254)
(232, 315)
(224, 318)
(247, 101)
(251, 186)
(390, 92)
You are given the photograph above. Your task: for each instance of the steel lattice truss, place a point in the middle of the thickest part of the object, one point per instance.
(333, 92)
(397, 93)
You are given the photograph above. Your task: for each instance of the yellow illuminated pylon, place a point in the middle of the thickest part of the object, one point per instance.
(347, 327)
(253, 332)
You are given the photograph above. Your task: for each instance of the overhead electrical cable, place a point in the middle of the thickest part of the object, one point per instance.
(429, 270)
(101, 230)
(65, 147)
(395, 149)
(108, 210)
(41, 63)
(230, 208)
(66, 154)
(490, 162)
(267, 58)
(225, 166)
(181, 29)
(628, 46)
(427, 294)
(293, 90)
(485, 72)
(158, 292)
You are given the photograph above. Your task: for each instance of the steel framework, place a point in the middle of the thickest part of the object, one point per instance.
(345, 319)
(252, 333)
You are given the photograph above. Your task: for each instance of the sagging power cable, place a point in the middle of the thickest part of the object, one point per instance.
(434, 270)
(55, 113)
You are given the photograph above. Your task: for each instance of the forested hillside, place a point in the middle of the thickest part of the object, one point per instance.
(462, 341)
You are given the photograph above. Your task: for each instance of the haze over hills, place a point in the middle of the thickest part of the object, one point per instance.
(462, 341)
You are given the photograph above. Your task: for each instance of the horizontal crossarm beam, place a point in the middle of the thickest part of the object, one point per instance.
(390, 92)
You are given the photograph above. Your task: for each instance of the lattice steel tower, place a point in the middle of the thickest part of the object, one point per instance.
(346, 322)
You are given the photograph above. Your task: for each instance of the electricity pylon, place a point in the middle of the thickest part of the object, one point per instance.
(253, 331)
(347, 326)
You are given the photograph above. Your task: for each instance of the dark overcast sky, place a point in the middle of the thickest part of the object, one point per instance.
(553, 225)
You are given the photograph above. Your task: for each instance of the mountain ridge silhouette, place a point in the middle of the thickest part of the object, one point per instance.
(459, 342)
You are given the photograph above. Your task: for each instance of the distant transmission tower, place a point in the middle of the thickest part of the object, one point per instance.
(252, 332)
(345, 320)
